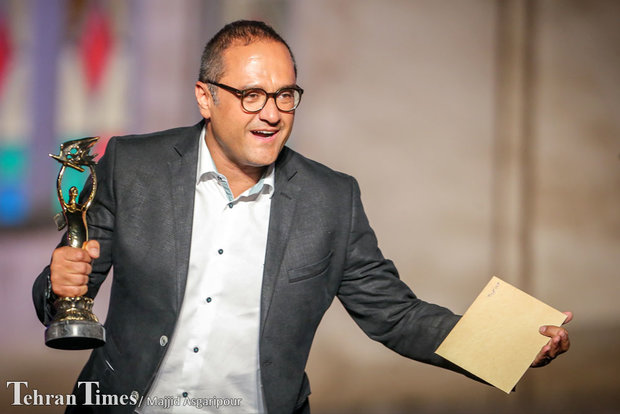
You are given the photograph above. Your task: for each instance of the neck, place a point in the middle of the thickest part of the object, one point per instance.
(240, 178)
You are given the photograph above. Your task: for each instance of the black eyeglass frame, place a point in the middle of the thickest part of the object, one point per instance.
(243, 93)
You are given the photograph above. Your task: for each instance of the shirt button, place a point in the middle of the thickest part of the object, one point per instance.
(196, 349)
(220, 251)
(209, 299)
(184, 394)
(163, 340)
(230, 205)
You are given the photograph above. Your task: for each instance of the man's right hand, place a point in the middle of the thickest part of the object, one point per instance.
(70, 268)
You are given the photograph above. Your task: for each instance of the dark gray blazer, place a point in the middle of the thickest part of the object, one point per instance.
(320, 245)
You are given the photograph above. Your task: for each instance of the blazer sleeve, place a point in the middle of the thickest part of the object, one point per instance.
(100, 220)
(382, 305)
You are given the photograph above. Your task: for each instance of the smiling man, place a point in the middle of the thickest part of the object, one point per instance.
(228, 248)
(243, 142)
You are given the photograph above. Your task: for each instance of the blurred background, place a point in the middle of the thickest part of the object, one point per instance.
(485, 136)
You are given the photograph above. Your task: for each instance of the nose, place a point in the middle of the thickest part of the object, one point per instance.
(270, 112)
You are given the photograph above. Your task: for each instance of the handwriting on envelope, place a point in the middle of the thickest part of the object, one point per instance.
(497, 338)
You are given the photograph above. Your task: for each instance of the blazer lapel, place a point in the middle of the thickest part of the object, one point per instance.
(182, 169)
(280, 219)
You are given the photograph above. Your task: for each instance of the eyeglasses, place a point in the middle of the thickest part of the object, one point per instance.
(254, 99)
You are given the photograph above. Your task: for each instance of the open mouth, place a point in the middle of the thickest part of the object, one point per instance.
(264, 134)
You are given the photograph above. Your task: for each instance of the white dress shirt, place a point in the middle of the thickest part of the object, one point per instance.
(214, 350)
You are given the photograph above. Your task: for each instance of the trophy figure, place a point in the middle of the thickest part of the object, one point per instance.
(74, 325)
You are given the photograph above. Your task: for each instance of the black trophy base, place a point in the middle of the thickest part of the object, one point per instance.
(73, 335)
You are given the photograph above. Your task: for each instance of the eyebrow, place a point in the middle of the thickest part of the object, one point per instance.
(293, 85)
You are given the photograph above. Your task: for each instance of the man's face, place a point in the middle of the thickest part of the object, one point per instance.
(238, 138)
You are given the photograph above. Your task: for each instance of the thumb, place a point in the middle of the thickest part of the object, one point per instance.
(92, 247)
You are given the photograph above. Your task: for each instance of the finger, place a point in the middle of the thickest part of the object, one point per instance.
(71, 254)
(75, 280)
(554, 347)
(559, 342)
(545, 355)
(551, 330)
(78, 268)
(92, 247)
(70, 291)
(70, 285)
(563, 342)
(569, 317)
(60, 271)
(542, 358)
(68, 280)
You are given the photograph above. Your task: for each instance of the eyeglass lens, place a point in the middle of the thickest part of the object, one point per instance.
(253, 100)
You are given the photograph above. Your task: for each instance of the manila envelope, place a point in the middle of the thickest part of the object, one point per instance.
(497, 338)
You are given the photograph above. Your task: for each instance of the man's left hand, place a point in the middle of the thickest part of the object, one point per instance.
(558, 344)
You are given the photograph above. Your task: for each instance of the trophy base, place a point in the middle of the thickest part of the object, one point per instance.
(75, 335)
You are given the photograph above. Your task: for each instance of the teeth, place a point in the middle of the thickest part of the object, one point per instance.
(265, 132)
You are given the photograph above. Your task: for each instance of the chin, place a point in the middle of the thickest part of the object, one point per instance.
(264, 160)
(261, 163)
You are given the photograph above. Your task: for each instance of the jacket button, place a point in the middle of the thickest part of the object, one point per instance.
(163, 340)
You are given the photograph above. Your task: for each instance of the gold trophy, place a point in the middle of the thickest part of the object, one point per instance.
(74, 325)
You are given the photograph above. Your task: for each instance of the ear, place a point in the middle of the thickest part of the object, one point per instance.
(204, 99)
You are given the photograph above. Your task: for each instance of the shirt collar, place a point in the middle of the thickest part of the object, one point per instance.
(207, 169)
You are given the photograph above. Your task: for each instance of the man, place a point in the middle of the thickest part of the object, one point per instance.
(229, 247)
